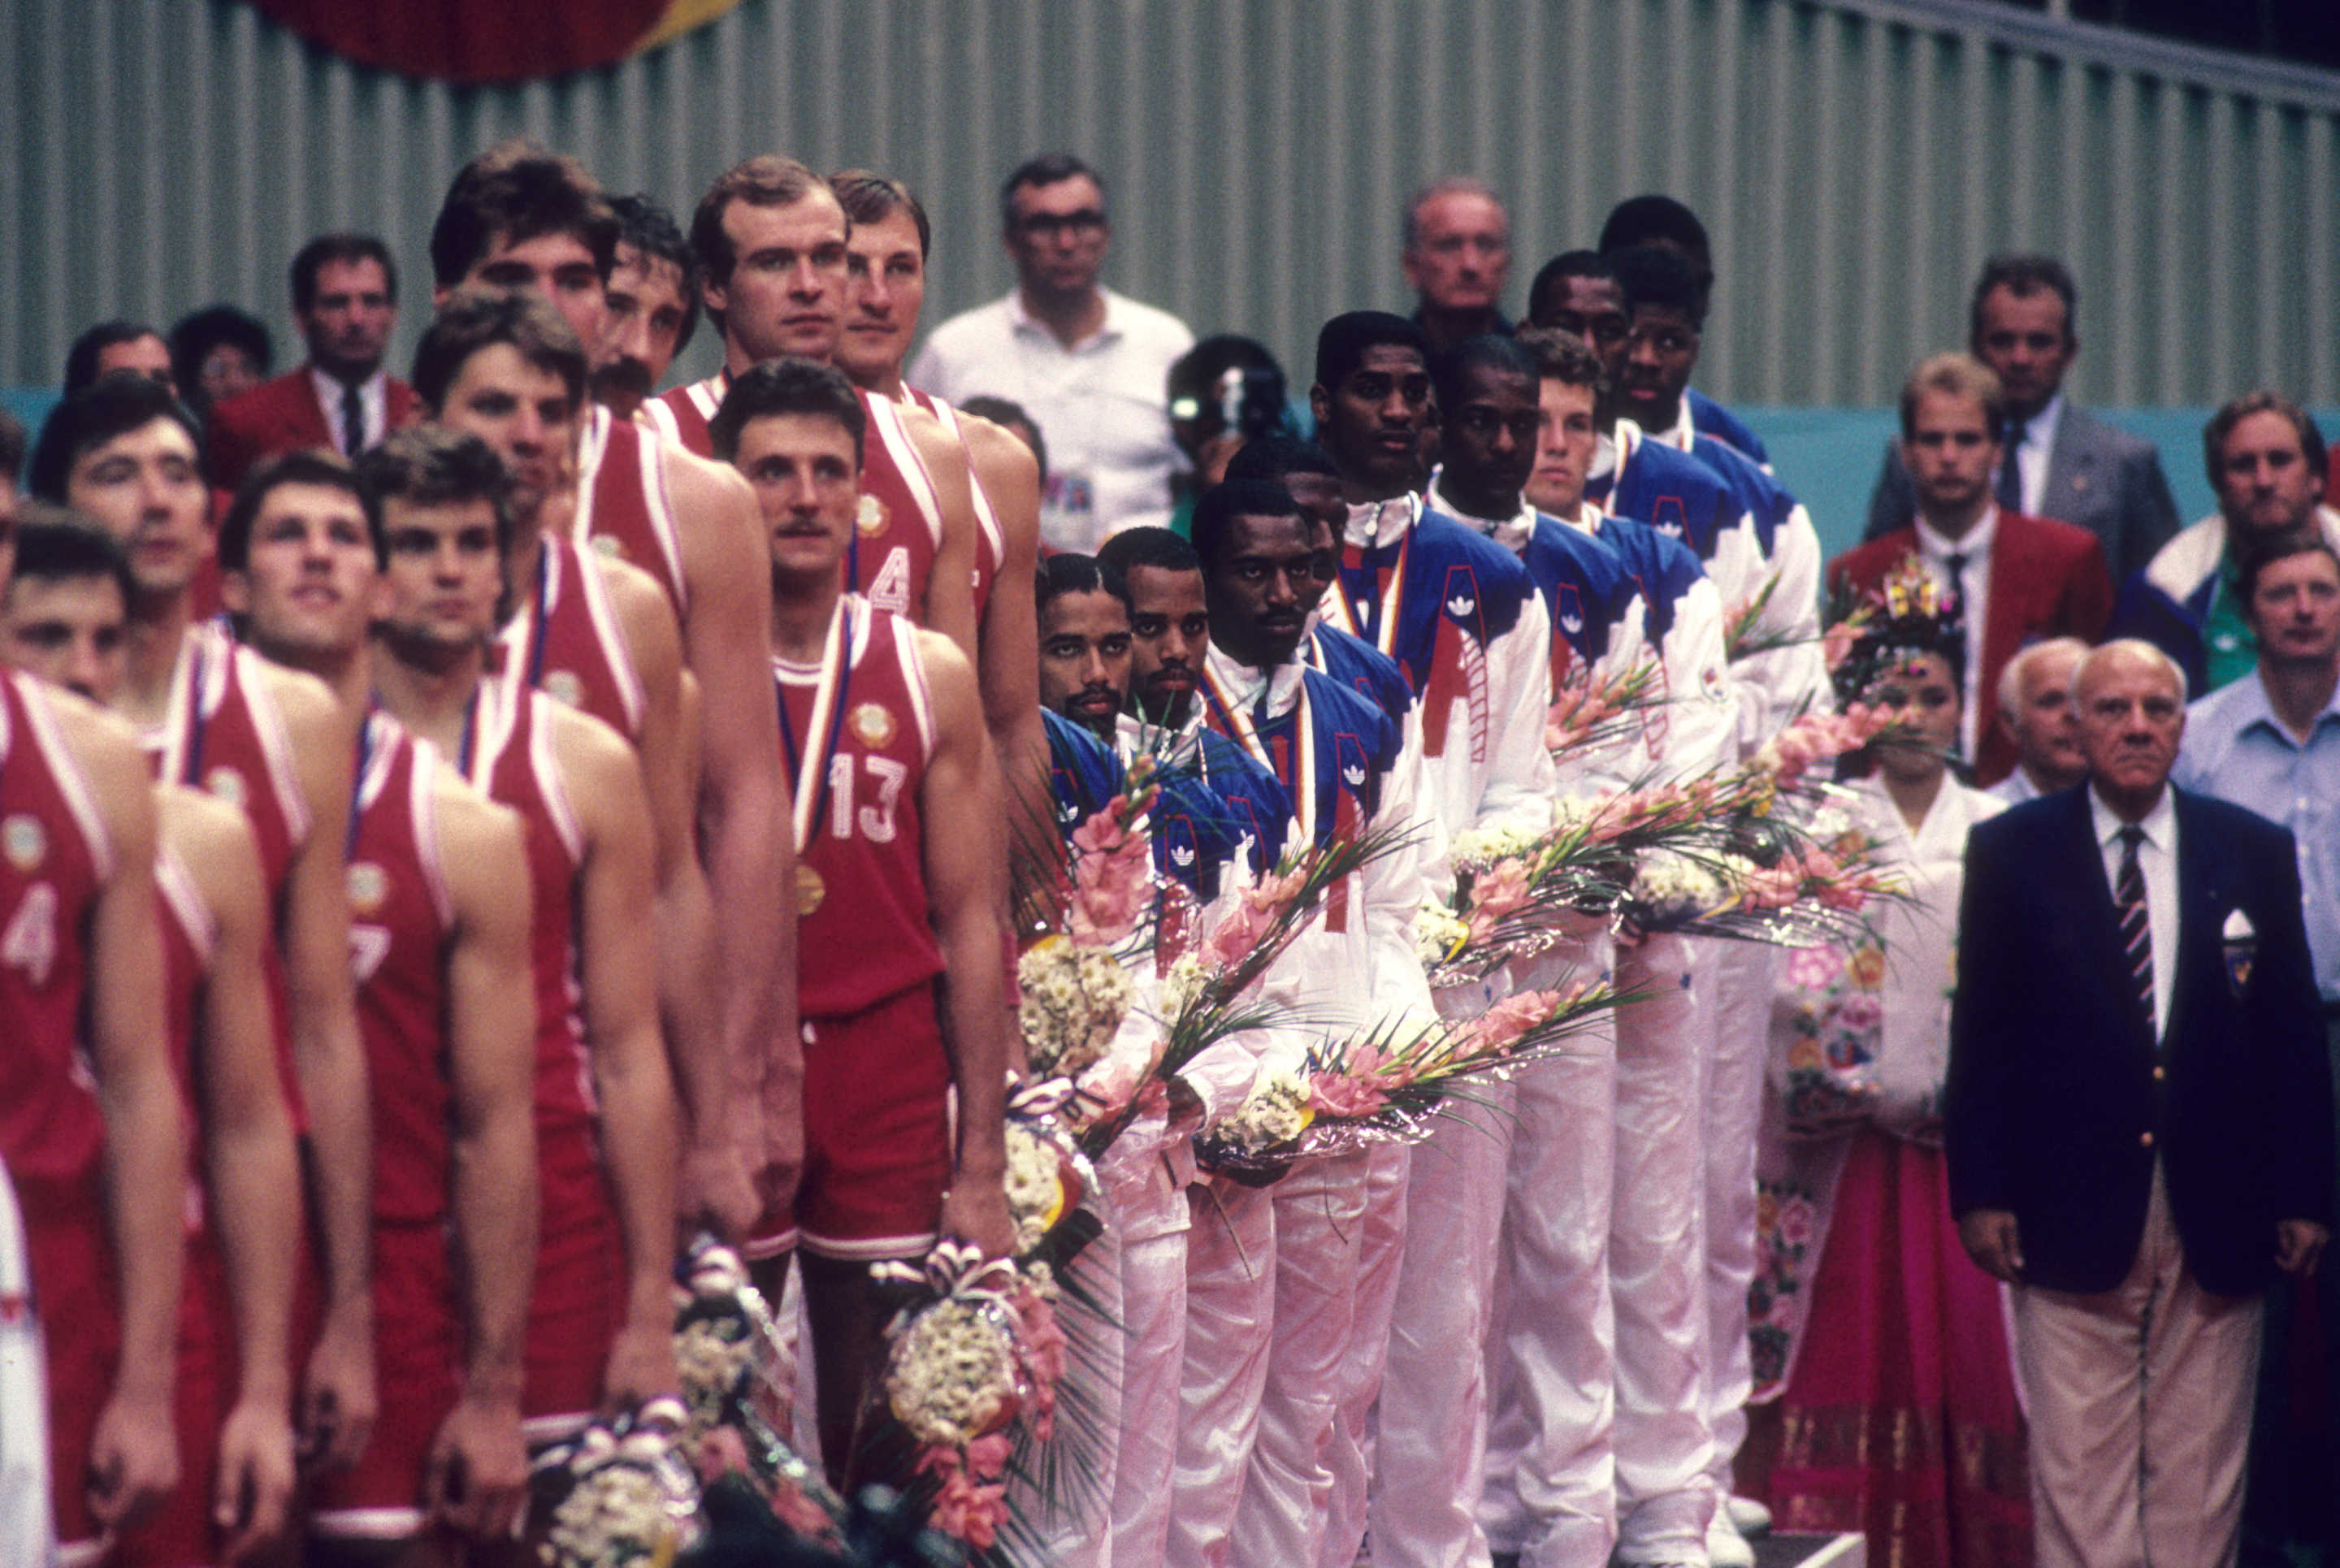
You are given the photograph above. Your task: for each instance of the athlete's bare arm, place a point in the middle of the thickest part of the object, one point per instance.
(742, 811)
(133, 1456)
(950, 592)
(490, 1054)
(248, 1156)
(959, 814)
(618, 959)
(337, 1400)
(1009, 644)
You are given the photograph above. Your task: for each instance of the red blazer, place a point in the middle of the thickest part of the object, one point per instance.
(2048, 579)
(281, 415)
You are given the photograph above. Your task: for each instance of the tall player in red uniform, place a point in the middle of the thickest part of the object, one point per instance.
(771, 238)
(123, 453)
(886, 287)
(600, 1318)
(62, 619)
(595, 634)
(98, 1166)
(440, 917)
(520, 218)
(897, 897)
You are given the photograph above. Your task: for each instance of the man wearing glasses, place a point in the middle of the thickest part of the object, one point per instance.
(1090, 365)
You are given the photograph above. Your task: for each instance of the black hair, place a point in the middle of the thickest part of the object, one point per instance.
(1661, 277)
(1158, 548)
(431, 465)
(56, 545)
(1342, 343)
(1057, 575)
(81, 359)
(1558, 270)
(791, 385)
(345, 248)
(1277, 456)
(1048, 169)
(1004, 412)
(474, 319)
(1660, 220)
(2023, 276)
(2254, 558)
(108, 407)
(197, 333)
(1487, 350)
(514, 192)
(1237, 498)
(650, 229)
(310, 467)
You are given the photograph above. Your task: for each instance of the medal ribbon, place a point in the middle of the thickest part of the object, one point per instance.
(809, 769)
(1234, 719)
(1360, 582)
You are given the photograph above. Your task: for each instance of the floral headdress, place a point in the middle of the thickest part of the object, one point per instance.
(1904, 615)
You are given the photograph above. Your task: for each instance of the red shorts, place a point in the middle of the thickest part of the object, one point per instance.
(577, 1302)
(418, 1349)
(877, 1120)
(78, 1296)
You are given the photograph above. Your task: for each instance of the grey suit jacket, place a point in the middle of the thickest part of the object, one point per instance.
(2104, 480)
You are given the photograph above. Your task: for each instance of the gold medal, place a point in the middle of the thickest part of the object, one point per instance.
(810, 890)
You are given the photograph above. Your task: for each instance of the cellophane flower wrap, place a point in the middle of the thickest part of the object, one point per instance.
(738, 1386)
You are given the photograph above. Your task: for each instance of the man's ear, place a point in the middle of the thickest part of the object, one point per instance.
(1320, 404)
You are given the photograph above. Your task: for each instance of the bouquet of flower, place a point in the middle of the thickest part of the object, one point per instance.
(1047, 1175)
(736, 1388)
(1599, 709)
(617, 1493)
(1072, 998)
(969, 1371)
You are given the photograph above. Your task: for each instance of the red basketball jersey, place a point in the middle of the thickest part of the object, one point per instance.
(568, 642)
(868, 733)
(511, 762)
(53, 855)
(622, 506)
(400, 918)
(900, 525)
(991, 547)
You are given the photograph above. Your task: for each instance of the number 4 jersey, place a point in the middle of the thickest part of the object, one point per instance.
(857, 731)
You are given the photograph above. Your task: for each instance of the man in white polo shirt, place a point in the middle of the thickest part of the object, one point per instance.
(1090, 365)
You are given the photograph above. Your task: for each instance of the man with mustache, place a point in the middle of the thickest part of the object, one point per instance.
(651, 305)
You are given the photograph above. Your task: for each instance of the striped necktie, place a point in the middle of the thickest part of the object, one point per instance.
(2136, 928)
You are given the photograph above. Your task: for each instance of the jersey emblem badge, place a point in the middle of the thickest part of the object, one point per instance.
(871, 517)
(369, 885)
(871, 724)
(25, 841)
(563, 686)
(228, 785)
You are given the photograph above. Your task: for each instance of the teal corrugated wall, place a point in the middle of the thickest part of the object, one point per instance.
(1855, 160)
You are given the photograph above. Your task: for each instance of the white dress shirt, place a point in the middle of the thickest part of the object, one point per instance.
(2030, 455)
(1973, 589)
(2156, 857)
(373, 397)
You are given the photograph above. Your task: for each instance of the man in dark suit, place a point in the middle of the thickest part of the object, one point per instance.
(2018, 579)
(345, 300)
(2059, 460)
(2138, 1121)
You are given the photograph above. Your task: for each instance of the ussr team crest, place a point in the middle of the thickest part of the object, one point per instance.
(25, 841)
(563, 686)
(608, 547)
(228, 785)
(369, 885)
(871, 724)
(871, 516)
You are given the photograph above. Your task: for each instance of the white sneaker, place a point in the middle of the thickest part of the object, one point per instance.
(1748, 1516)
(1725, 1547)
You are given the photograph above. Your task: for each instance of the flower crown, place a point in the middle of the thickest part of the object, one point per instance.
(1906, 613)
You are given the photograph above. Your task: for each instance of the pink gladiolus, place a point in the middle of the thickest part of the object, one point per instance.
(1510, 1019)
(1501, 888)
(966, 1509)
(721, 1452)
(1773, 887)
(1110, 888)
(1340, 1095)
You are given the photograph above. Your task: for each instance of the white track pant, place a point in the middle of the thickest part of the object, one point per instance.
(1320, 1210)
(1431, 1432)
(1746, 973)
(1154, 1310)
(1230, 1311)
(1657, 1255)
(1075, 1529)
(1381, 1253)
(1550, 1493)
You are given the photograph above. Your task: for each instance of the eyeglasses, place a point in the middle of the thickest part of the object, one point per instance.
(1083, 224)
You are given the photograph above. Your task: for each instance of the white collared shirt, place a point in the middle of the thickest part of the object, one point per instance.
(2030, 456)
(1973, 589)
(2156, 857)
(373, 397)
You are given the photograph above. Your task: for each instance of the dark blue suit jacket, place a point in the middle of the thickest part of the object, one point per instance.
(2058, 1101)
